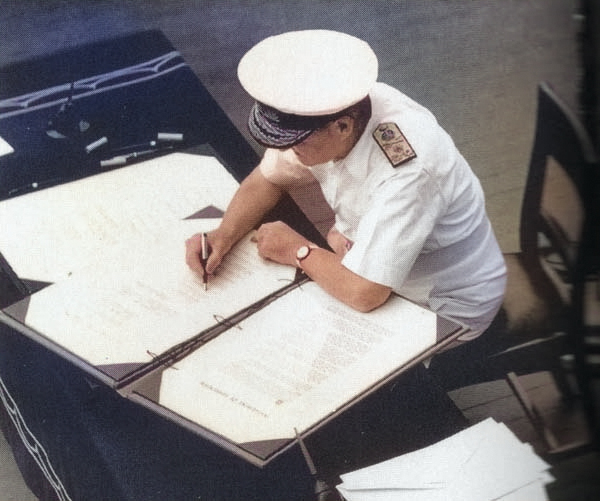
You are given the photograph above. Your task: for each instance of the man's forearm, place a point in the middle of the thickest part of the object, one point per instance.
(255, 197)
(325, 268)
(280, 243)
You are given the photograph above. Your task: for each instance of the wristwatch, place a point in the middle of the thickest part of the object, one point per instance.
(303, 252)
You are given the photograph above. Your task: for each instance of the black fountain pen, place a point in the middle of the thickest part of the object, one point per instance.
(204, 259)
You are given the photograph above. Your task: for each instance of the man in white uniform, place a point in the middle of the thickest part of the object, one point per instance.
(410, 213)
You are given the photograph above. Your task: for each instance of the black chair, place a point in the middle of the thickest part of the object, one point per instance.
(535, 328)
(585, 314)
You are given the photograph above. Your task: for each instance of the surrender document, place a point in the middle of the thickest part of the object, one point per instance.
(293, 363)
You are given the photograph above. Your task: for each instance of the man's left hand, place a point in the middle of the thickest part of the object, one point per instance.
(278, 242)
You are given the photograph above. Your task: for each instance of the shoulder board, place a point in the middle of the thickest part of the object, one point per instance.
(393, 143)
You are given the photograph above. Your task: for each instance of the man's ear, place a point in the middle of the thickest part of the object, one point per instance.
(345, 125)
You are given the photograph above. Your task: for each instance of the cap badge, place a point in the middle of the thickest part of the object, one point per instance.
(393, 143)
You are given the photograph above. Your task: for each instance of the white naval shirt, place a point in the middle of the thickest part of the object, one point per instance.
(420, 227)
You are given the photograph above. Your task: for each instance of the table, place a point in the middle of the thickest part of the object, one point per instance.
(76, 439)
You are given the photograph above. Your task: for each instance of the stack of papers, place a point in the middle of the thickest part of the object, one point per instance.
(483, 462)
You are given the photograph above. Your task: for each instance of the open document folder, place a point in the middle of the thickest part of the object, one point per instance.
(111, 249)
(484, 462)
(260, 354)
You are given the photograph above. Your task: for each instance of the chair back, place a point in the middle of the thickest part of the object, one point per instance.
(561, 204)
(558, 192)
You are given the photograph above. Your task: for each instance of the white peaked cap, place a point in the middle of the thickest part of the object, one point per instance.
(309, 73)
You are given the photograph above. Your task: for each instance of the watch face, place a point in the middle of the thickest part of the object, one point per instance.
(302, 252)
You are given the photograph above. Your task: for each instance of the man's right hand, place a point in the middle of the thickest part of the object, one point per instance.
(255, 197)
(217, 248)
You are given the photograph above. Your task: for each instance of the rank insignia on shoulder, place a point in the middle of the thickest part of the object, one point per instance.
(393, 143)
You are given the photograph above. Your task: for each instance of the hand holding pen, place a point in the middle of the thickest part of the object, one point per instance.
(204, 252)
(198, 251)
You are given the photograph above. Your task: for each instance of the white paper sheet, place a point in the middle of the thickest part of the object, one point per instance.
(293, 363)
(500, 465)
(483, 462)
(407, 472)
(50, 234)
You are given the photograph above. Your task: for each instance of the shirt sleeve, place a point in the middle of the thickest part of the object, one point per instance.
(392, 233)
(284, 169)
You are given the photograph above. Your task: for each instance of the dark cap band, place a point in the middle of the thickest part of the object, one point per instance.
(275, 129)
